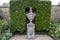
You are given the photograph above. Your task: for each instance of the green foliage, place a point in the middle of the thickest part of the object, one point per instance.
(43, 15)
(3, 25)
(17, 14)
(2, 22)
(55, 30)
(4, 30)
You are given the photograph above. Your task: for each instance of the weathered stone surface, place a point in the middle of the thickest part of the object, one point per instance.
(37, 37)
(55, 12)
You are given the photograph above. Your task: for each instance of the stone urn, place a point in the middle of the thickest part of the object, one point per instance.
(30, 26)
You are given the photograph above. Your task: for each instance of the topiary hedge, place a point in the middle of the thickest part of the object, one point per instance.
(43, 14)
(17, 14)
(18, 18)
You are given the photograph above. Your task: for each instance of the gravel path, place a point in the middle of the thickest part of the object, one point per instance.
(37, 37)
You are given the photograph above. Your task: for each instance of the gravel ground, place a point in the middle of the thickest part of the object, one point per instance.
(37, 37)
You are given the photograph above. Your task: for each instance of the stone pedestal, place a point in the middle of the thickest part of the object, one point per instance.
(31, 30)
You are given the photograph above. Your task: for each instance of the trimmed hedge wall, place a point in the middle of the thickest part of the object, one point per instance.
(17, 14)
(18, 18)
(43, 14)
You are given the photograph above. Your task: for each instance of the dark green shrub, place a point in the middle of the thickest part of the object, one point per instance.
(3, 25)
(17, 14)
(43, 15)
(18, 18)
(55, 30)
(4, 30)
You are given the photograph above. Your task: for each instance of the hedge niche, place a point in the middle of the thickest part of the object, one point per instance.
(18, 18)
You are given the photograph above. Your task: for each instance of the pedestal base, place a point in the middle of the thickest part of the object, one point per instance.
(30, 30)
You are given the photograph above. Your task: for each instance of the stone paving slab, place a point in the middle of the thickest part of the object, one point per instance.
(37, 37)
